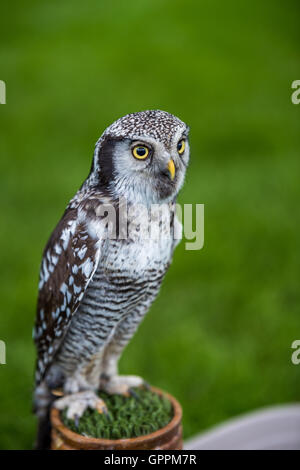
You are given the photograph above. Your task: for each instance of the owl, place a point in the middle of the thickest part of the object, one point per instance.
(100, 270)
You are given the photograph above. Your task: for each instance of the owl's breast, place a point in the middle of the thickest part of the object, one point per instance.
(131, 269)
(137, 258)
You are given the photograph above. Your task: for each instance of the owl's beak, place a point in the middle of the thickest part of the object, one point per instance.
(171, 168)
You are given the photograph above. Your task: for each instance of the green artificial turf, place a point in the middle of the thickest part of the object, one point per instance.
(127, 416)
(219, 335)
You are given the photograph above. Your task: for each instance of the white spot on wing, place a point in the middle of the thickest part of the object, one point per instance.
(77, 289)
(82, 252)
(63, 288)
(57, 249)
(87, 267)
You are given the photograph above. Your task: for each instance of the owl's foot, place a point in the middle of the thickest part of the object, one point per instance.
(121, 384)
(77, 403)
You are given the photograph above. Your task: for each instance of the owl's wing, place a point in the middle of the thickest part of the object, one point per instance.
(69, 262)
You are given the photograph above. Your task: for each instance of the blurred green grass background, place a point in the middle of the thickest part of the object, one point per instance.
(219, 335)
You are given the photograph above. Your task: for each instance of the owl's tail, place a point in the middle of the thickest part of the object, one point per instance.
(43, 439)
(43, 400)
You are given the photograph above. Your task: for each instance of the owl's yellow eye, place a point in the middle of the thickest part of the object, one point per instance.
(140, 152)
(181, 146)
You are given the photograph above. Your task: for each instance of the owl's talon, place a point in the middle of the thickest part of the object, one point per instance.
(146, 385)
(57, 392)
(101, 408)
(133, 394)
(76, 421)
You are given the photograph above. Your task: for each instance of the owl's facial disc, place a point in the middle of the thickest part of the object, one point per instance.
(147, 171)
(143, 157)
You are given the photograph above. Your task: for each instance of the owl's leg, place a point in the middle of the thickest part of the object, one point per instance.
(110, 381)
(80, 358)
(80, 390)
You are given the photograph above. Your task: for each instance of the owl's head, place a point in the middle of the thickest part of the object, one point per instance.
(143, 157)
